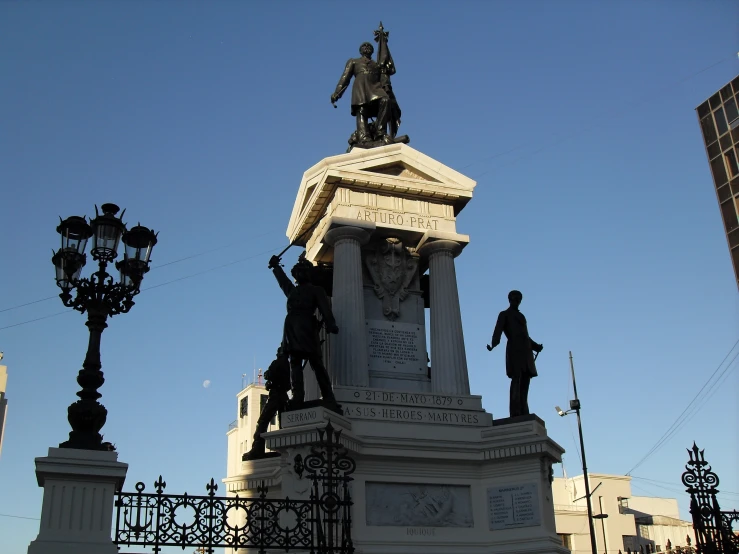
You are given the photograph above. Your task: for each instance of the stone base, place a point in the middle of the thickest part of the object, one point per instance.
(460, 485)
(402, 139)
(79, 493)
(519, 419)
(320, 402)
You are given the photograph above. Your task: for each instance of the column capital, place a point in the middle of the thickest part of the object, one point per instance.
(336, 234)
(431, 248)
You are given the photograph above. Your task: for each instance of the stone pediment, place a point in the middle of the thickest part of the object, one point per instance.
(396, 171)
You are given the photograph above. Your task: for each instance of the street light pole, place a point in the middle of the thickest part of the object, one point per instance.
(101, 297)
(575, 405)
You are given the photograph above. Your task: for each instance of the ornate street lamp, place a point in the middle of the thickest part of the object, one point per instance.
(101, 297)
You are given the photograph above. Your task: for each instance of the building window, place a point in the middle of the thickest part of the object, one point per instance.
(732, 114)
(709, 131)
(566, 541)
(721, 125)
(244, 407)
(623, 505)
(728, 211)
(719, 171)
(643, 531)
(731, 167)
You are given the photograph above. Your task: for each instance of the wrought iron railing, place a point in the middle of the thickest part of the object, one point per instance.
(713, 528)
(319, 524)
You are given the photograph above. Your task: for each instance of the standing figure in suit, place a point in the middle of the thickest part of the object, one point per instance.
(300, 339)
(519, 358)
(369, 97)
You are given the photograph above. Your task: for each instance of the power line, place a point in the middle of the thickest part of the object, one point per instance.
(156, 286)
(681, 419)
(20, 517)
(152, 269)
(697, 406)
(670, 483)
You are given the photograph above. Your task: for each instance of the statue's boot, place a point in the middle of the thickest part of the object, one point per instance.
(257, 450)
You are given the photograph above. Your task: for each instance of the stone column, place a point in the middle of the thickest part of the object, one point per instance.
(79, 493)
(448, 358)
(349, 362)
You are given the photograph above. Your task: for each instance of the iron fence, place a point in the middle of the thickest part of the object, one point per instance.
(320, 524)
(714, 533)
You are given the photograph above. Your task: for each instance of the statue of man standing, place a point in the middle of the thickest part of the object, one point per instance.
(300, 339)
(519, 359)
(369, 98)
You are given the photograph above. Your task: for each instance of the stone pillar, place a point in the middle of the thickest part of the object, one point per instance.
(349, 362)
(448, 358)
(79, 493)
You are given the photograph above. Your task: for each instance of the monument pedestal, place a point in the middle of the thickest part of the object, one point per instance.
(79, 493)
(433, 474)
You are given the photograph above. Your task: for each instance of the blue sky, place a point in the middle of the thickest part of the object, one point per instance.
(594, 198)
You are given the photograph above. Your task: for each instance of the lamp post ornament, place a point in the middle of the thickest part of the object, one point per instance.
(101, 297)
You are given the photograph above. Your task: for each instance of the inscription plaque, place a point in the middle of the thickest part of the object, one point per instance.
(397, 347)
(417, 414)
(418, 505)
(512, 506)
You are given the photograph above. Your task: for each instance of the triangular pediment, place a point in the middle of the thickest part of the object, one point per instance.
(393, 170)
(401, 169)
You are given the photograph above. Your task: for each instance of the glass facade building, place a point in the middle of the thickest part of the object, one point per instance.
(719, 121)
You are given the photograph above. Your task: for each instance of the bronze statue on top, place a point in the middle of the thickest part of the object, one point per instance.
(372, 95)
(300, 339)
(519, 361)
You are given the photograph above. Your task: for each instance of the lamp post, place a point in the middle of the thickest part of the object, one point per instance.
(101, 297)
(575, 407)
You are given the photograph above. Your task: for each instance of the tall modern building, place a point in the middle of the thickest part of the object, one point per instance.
(3, 400)
(719, 120)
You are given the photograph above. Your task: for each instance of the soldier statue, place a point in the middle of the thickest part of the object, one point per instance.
(300, 339)
(520, 361)
(277, 382)
(372, 95)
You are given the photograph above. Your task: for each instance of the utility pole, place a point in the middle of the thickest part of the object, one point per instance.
(575, 405)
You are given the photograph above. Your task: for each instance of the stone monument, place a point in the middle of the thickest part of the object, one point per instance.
(435, 472)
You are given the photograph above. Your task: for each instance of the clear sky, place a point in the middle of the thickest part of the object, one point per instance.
(594, 198)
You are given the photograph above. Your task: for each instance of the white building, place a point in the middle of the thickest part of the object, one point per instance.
(632, 521)
(249, 404)
(3, 401)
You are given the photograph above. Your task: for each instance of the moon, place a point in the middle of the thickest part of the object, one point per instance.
(206, 383)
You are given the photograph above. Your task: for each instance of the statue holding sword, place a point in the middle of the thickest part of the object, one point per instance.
(519, 357)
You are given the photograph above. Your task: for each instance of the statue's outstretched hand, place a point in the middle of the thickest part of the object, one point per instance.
(334, 98)
(490, 348)
(274, 262)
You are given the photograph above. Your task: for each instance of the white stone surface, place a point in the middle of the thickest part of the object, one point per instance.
(349, 347)
(391, 180)
(79, 493)
(448, 357)
(418, 492)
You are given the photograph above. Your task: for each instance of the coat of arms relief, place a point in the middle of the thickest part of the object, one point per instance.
(392, 268)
